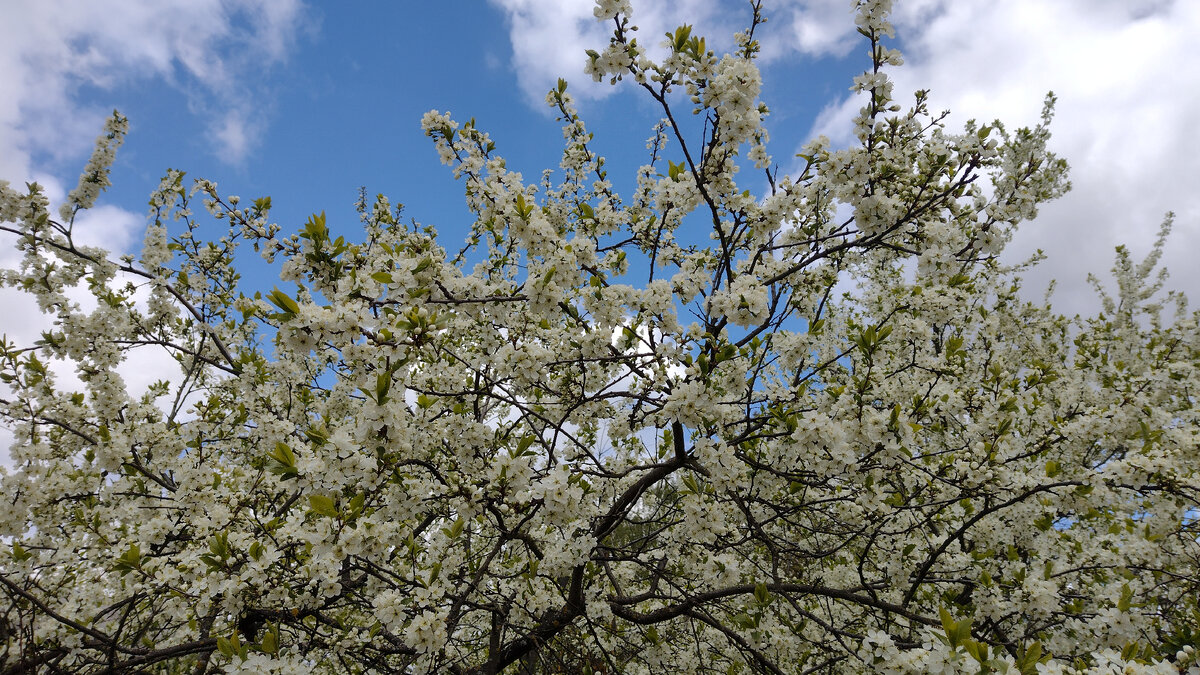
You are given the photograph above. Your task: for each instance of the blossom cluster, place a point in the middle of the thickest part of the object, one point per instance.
(690, 428)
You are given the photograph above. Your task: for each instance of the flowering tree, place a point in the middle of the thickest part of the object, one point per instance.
(829, 436)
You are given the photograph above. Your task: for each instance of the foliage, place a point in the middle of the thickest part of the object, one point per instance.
(693, 429)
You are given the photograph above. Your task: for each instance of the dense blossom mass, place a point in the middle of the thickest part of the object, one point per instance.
(696, 428)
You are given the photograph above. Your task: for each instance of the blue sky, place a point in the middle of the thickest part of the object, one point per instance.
(307, 101)
(341, 107)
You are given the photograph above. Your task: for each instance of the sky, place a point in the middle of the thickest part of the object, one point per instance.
(306, 102)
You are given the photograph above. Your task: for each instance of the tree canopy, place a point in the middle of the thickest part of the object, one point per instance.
(728, 422)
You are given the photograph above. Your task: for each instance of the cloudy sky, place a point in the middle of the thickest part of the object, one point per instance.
(306, 102)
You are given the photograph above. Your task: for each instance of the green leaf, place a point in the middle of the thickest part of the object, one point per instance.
(680, 39)
(977, 650)
(674, 170)
(130, 560)
(1004, 426)
(962, 632)
(523, 209)
(270, 642)
(323, 505)
(382, 277)
(318, 435)
(455, 529)
(1031, 656)
(357, 502)
(284, 302)
(383, 384)
(761, 595)
(19, 553)
(953, 345)
(948, 622)
(218, 545)
(236, 644)
(225, 647)
(744, 621)
(315, 230)
(1126, 600)
(283, 461)
(524, 444)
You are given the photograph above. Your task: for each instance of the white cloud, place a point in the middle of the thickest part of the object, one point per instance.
(1128, 85)
(235, 133)
(814, 28)
(549, 37)
(207, 48)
